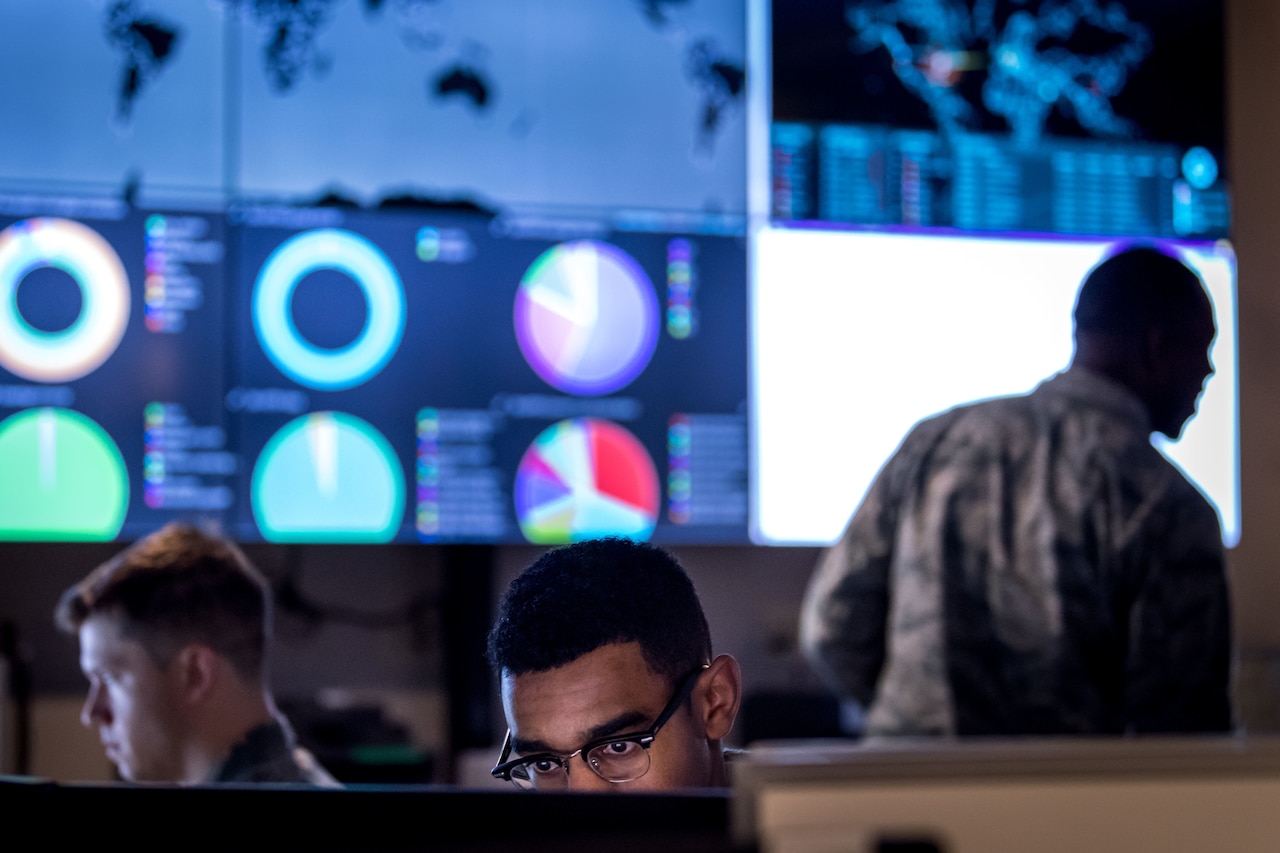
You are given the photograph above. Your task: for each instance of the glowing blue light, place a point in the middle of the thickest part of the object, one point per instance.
(1199, 168)
(298, 358)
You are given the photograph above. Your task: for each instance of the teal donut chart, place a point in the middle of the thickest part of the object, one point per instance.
(296, 357)
(83, 254)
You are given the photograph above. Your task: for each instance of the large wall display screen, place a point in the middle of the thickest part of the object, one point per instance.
(857, 336)
(111, 366)
(568, 358)
(1069, 116)
(532, 104)
(442, 377)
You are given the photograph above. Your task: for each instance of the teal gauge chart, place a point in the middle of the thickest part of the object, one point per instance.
(328, 477)
(585, 478)
(586, 318)
(82, 253)
(325, 368)
(63, 478)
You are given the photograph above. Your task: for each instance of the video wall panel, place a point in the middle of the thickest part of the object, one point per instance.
(111, 369)
(918, 324)
(438, 377)
(1086, 117)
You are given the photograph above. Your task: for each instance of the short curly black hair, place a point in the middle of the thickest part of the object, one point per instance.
(1137, 288)
(575, 599)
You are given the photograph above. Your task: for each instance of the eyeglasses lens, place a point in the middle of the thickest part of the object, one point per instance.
(619, 761)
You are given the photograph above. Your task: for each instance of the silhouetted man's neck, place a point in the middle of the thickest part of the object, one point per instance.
(1115, 357)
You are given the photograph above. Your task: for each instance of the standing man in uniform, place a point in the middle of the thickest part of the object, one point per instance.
(1032, 565)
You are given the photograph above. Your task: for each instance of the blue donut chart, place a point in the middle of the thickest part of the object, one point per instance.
(95, 267)
(295, 356)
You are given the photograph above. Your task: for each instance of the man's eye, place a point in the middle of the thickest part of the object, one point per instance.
(620, 748)
(543, 766)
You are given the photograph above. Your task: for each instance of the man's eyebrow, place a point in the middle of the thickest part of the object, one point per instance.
(528, 747)
(620, 723)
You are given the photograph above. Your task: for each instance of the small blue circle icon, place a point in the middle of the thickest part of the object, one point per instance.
(1200, 168)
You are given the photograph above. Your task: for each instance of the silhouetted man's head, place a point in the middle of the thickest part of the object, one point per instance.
(597, 644)
(1143, 317)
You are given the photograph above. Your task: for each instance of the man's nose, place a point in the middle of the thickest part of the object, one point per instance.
(95, 710)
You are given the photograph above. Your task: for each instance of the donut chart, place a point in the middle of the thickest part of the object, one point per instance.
(586, 318)
(585, 478)
(90, 340)
(64, 478)
(327, 477)
(302, 361)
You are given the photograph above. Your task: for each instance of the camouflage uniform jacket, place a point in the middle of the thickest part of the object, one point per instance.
(1028, 565)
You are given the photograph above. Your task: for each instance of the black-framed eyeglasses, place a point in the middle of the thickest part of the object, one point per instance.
(616, 758)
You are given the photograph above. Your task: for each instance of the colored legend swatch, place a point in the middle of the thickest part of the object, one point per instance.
(64, 478)
(153, 456)
(682, 281)
(583, 479)
(427, 519)
(157, 319)
(182, 254)
(679, 482)
(461, 493)
(186, 466)
(328, 477)
(586, 318)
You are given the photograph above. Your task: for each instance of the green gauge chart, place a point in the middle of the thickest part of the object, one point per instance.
(63, 478)
(328, 477)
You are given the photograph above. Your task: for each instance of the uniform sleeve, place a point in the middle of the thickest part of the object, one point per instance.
(1179, 667)
(843, 619)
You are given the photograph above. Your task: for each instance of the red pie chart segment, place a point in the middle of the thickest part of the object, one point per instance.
(613, 456)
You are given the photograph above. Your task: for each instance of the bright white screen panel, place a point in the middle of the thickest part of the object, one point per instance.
(856, 336)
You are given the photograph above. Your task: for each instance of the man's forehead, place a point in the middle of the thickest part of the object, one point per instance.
(563, 707)
(102, 641)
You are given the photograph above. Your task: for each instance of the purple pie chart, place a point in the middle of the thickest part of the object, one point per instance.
(586, 318)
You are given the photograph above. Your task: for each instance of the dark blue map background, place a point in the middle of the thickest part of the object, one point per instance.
(1175, 94)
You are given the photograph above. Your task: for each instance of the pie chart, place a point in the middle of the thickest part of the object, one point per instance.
(328, 477)
(585, 478)
(64, 478)
(586, 318)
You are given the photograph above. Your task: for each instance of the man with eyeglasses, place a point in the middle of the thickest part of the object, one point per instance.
(608, 680)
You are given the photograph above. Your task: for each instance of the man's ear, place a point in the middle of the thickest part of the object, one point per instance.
(717, 697)
(195, 669)
(1155, 348)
